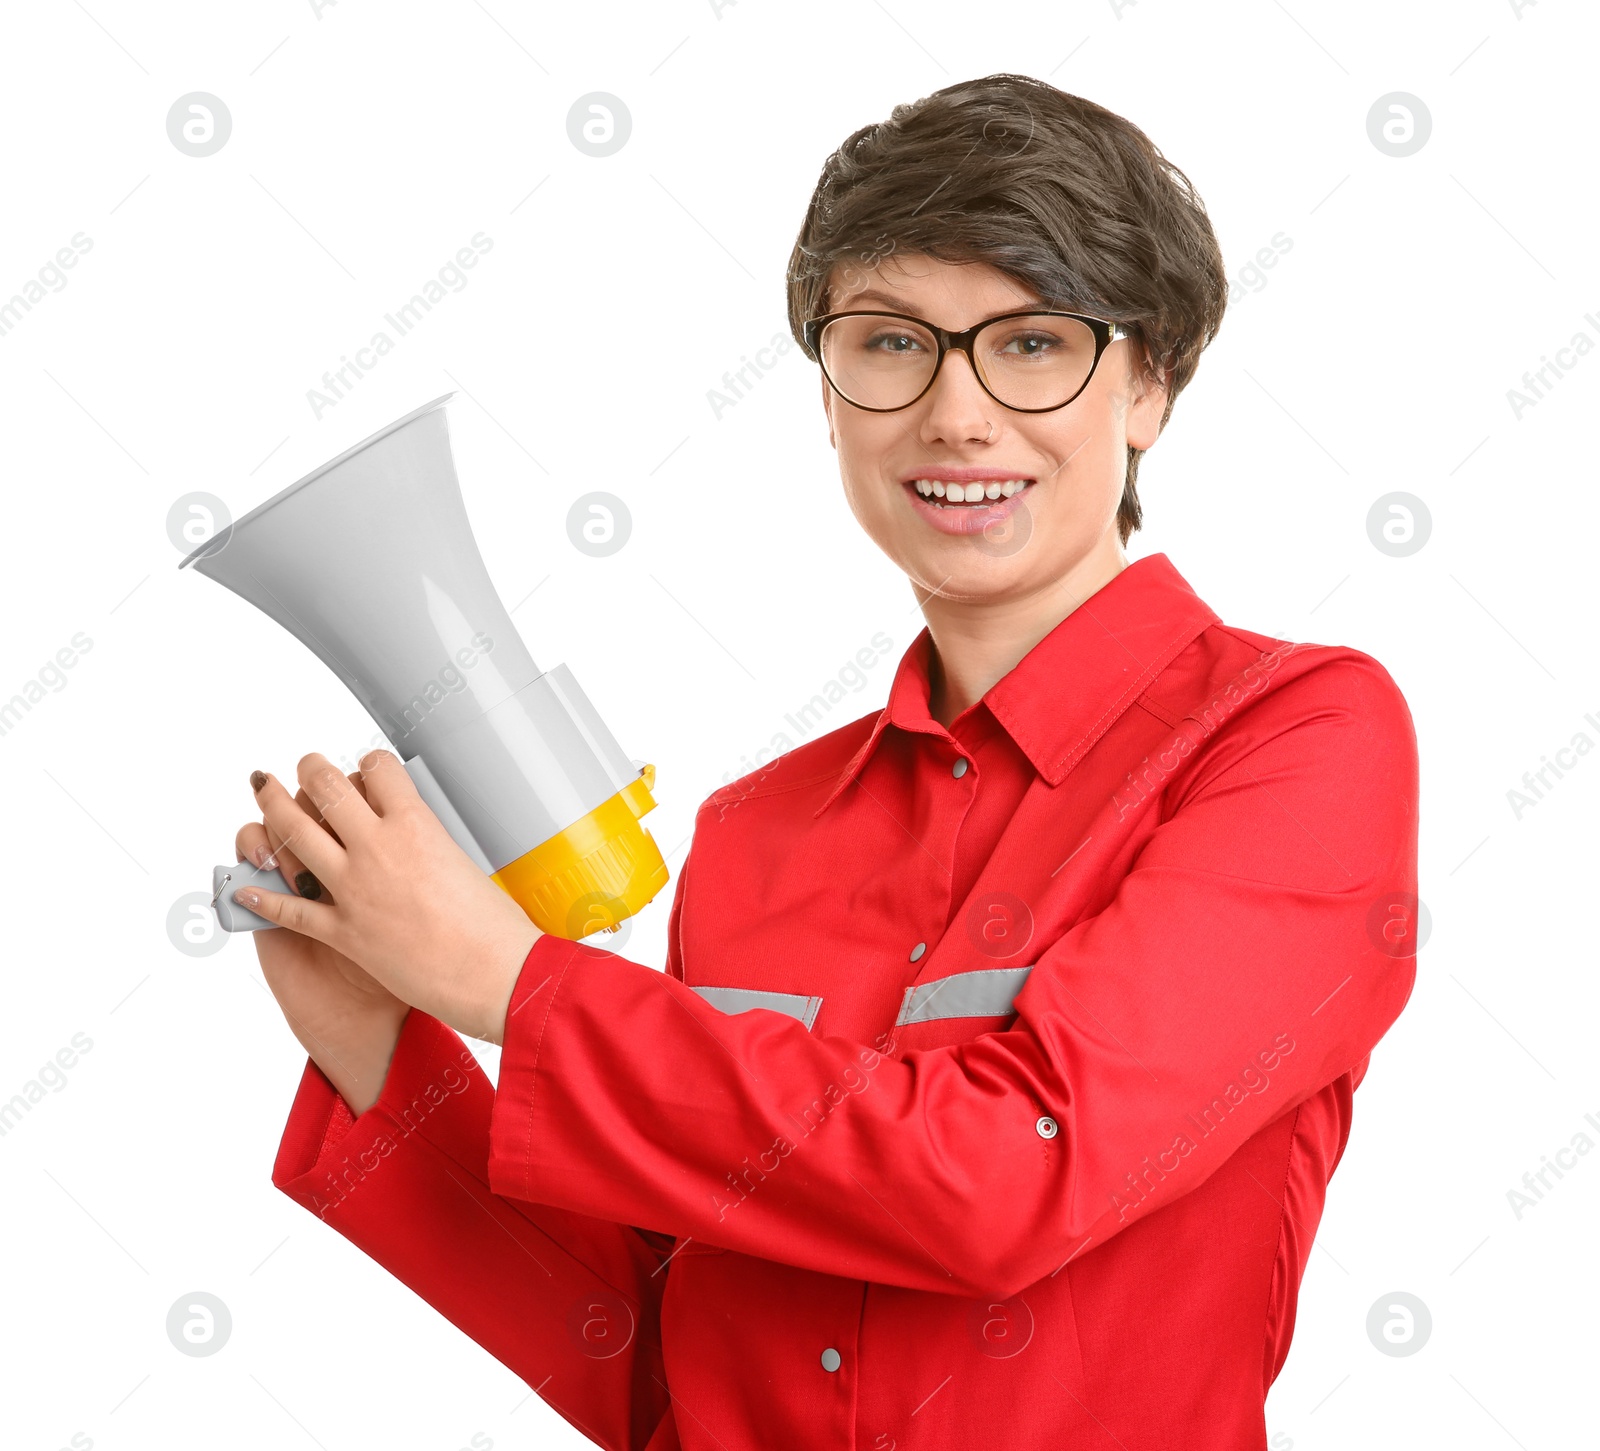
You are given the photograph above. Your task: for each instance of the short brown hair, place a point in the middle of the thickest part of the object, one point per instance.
(1059, 193)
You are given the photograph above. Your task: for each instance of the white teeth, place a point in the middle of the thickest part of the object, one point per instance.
(969, 493)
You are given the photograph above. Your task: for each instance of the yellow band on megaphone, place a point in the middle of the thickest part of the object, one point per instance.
(594, 874)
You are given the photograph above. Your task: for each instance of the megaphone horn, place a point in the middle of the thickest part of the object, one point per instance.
(370, 562)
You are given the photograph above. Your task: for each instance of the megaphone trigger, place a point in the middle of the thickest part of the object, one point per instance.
(226, 880)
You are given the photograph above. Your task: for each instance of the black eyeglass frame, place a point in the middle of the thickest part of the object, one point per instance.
(1105, 333)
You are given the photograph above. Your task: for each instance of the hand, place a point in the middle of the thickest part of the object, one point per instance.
(348, 1022)
(407, 904)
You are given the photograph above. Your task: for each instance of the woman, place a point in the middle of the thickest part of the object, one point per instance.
(1008, 1035)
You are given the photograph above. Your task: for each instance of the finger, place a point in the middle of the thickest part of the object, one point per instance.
(303, 800)
(310, 807)
(309, 919)
(260, 849)
(336, 798)
(387, 783)
(251, 844)
(301, 878)
(289, 826)
(305, 882)
(254, 843)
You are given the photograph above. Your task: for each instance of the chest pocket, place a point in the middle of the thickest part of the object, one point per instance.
(986, 993)
(742, 999)
(983, 993)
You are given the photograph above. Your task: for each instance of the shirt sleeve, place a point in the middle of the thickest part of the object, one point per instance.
(1243, 964)
(569, 1303)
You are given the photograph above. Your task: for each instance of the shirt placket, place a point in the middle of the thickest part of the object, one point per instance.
(949, 778)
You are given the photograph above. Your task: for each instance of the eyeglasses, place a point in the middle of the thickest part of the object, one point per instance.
(1033, 362)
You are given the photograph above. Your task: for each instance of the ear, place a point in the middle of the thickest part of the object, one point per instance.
(827, 408)
(1147, 402)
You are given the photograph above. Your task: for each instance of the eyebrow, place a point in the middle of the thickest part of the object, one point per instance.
(873, 295)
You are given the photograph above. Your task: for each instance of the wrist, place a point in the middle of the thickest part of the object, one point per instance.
(484, 1014)
(359, 1071)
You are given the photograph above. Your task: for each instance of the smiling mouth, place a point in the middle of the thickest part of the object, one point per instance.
(943, 494)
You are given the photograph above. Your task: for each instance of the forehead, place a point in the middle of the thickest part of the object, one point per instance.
(927, 286)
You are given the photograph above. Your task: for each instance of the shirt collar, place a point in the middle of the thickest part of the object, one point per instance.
(1066, 692)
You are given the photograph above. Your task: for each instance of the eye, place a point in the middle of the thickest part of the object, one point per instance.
(1029, 344)
(894, 340)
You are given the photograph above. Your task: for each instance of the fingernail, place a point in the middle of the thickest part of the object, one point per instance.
(258, 779)
(307, 885)
(247, 897)
(262, 855)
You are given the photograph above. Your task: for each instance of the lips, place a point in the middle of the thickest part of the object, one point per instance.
(933, 500)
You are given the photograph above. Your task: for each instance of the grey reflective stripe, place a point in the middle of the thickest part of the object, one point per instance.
(742, 999)
(986, 993)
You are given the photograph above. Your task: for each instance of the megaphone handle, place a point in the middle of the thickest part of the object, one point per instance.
(226, 880)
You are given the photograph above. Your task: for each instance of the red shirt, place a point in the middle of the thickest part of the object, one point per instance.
(993, 1086)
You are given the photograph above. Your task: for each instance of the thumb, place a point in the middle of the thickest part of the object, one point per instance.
(299, 914)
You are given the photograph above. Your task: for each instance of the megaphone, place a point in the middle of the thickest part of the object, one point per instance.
(370, 562)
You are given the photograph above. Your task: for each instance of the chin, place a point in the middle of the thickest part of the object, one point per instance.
(962, 572)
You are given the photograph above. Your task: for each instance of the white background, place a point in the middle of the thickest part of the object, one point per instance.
(371, 142)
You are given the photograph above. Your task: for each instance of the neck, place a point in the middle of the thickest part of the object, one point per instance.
(976, 644)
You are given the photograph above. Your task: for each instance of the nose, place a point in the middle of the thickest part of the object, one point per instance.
(958, 409)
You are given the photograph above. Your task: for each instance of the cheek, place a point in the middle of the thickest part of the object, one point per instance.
(1080, 446)
(864, 441)
(1091, 462)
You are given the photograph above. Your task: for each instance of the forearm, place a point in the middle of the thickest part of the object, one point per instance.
(352, 1041)
(932, 1172)
(354, 1050)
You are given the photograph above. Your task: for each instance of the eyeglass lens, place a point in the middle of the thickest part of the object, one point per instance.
(1036, 361)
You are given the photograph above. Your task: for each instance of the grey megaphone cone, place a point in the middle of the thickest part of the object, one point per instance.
(370, 561)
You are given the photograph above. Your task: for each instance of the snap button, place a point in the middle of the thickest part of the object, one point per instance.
(1047, 1127)
(830, 1359)
(918, 950)
(960, 768)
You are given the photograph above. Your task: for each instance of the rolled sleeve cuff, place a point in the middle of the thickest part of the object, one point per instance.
(551, 964)
(434, 1088)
